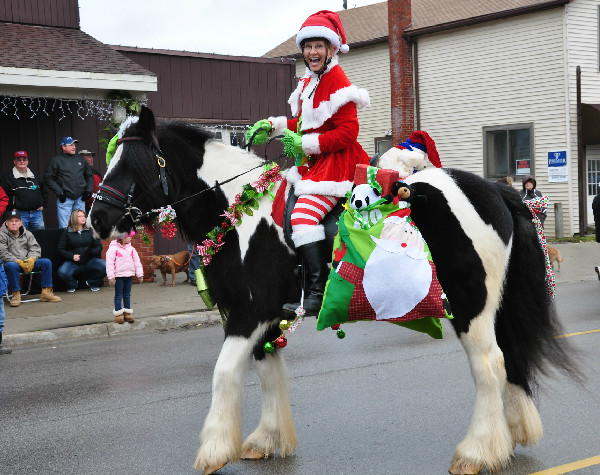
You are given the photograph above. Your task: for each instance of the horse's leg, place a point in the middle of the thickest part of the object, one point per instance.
(221, 435)
(522, 416)
(276, 427)
(488, 442)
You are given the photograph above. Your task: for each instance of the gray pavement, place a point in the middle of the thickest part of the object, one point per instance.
(87, 314)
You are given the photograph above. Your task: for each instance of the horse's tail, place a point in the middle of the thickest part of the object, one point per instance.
(527, 326)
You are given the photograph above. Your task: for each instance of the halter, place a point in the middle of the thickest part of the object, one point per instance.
(114, 197)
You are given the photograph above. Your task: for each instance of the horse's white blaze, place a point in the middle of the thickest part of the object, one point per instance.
(488, 440)
(216, 154)
(276, 427)
(522, 416)
(222, 432)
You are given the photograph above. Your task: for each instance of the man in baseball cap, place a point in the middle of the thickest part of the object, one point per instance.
(26, 192)
(70, 178)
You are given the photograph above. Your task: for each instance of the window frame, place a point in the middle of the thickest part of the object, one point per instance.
(507, 128)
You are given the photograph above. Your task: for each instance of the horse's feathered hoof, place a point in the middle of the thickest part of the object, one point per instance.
(463, 468)
(213, 469)
(252, 454)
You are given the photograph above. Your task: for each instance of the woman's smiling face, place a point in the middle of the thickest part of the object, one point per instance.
(316, 52)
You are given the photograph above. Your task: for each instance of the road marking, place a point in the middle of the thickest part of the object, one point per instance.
(576, 333)
(570, 467)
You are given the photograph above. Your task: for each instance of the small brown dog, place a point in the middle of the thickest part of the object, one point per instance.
(555, 256)
(172, 264)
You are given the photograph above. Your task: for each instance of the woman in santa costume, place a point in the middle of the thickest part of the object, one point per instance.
(323, 138)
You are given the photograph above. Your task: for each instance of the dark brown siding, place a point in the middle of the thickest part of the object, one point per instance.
(217, 90)
(39, 136)
(60, 13)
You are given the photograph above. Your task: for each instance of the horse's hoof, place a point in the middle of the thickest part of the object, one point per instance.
(464, 468)
(213, 469)
(252, 454)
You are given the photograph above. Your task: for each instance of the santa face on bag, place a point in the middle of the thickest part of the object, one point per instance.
(316, 52)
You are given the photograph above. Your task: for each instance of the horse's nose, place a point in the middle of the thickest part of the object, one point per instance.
(358, 204)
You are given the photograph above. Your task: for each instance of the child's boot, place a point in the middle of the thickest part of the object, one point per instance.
(127, 315)
(118, 316)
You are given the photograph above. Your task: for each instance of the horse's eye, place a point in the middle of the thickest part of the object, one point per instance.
(367, 200)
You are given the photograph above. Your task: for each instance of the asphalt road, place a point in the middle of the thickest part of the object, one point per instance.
(384, 400)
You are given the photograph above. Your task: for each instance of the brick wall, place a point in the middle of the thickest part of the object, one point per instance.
(401, 71)
(145, 251)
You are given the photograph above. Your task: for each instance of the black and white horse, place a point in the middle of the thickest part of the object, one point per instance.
(489, 263)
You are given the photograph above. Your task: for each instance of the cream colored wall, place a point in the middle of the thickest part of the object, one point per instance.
(498, 73)
(369, 68)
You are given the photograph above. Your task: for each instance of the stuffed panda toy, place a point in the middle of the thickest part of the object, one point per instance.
(362, 197)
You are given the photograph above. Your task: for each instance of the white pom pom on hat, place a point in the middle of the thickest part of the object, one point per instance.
(324, 24)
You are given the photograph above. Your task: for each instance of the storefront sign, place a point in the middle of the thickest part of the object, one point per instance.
(557, 167)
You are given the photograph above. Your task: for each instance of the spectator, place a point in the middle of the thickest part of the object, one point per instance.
(89, 158)
(25, 192)
(3, 201)
(19, 250)
(3, 287)
(122, 263)
(529, 192)
(596, 212)
(70, 178)
(81, 252)
(194, 263)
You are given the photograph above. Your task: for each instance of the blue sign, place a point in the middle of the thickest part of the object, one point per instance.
(557, 159)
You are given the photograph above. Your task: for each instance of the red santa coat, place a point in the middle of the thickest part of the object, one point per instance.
(329, 126)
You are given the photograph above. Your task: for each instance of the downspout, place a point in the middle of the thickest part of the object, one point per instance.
(568, 123)
(581, 178)
(416, 82)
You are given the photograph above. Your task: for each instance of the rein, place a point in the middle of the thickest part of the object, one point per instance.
(111, 196)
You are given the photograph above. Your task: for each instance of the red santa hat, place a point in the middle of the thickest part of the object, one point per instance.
(421, 140)
(324, 24)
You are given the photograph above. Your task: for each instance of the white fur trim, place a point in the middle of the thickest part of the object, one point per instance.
(294, 100)
(308, 234)
(132, 119)
(128, 310)
(293, 176)
(332, 188)
(116, 313)
(279, 125)
(315, 118)
(310, 144)
(318, 31)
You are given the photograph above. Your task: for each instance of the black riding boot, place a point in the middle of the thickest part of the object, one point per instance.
(314, 256)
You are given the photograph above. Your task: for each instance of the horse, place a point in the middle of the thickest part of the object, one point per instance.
(486, 250)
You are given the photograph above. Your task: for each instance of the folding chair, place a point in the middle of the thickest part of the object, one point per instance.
(23, 277)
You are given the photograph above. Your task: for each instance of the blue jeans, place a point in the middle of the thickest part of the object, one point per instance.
(13, 269)
(63, 210)
(2, 314)
(123, 292)
(93, 270)
(194, 262)
(32, 219)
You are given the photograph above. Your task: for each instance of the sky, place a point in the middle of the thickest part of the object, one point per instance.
(232, 27)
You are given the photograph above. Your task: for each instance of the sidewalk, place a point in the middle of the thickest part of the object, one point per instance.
(89, 314)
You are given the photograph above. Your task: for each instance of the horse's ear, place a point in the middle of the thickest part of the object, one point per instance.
(147, 122)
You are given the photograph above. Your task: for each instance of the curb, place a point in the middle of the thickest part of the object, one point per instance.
(106, 330)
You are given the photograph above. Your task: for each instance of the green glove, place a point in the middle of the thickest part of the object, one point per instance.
(264, 127)
(292, 143)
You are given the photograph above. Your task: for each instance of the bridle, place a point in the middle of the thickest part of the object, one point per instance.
(111, 196)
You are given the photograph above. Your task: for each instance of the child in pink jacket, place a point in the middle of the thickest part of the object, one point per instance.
(122, 263)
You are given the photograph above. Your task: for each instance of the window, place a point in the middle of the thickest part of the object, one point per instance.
(508, 150)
